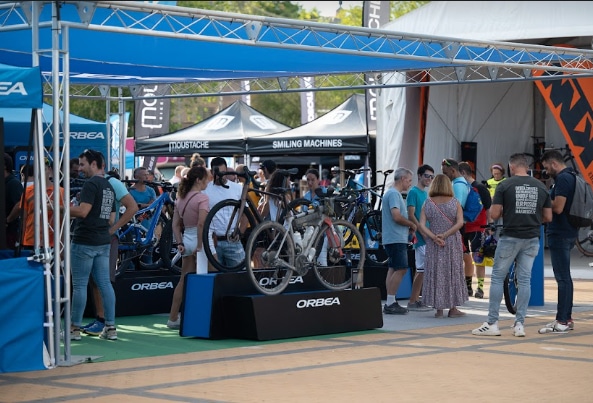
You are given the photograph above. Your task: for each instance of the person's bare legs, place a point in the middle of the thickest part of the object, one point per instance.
(416, 287)
(468, 265)
(97, 300)
(188, 265)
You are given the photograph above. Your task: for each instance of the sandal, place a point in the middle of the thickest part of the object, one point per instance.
(439, 314)
(455, 313)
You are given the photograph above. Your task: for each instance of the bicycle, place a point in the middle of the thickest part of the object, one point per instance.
(307, 240)
(370, 221)
(584, 241)
(241, 216)
(137, 240)
(510, 283)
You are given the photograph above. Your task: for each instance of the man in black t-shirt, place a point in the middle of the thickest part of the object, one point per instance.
(91, 243)
(524, 204)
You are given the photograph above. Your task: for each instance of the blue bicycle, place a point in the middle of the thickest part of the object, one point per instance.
(149, 247)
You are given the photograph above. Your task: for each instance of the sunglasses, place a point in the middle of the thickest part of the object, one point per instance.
(446, 162)
(428, 176)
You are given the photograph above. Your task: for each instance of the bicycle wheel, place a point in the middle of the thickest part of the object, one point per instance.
(167, 249)
(584, 241)
(148, 256)
(296, 206)
(511, 287)
(270, 256)
(224, 217)
(370, 229)
(337, 260)
(125, 256)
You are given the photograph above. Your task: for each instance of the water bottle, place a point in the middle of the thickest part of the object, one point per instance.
(298, 241)
(311, 254)
(308, 234)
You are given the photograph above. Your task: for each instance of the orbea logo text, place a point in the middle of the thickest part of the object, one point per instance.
(317, 302)
(152, 286)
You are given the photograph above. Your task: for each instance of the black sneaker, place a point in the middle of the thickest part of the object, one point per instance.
(470, 292)
(479, 293)
(394, 309)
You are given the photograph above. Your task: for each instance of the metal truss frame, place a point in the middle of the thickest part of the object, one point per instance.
(442, 60)
(454, 61)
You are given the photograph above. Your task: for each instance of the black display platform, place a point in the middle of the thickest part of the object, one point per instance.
(144, 293)
(137, 293)
(300, 314)
(202, 311)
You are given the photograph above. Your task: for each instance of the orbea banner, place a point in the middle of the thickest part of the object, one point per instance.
(20, 87)
(152, 116)
(571, 103)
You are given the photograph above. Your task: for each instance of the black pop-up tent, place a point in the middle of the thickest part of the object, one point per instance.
(341, 130)
(221, 134)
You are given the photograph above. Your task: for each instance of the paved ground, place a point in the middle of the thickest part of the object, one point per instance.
(414, 358)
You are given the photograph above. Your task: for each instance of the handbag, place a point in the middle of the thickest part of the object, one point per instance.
(184, 207)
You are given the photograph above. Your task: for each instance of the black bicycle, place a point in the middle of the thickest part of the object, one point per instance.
(240, 217)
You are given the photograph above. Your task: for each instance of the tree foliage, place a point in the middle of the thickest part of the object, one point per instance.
(282, 107)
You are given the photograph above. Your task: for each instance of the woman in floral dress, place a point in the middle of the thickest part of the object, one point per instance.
(444, 283)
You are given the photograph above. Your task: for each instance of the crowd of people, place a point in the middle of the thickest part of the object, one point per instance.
(430, 217)
(427, 216)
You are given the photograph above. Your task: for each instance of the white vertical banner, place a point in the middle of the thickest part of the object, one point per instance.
(117, 141)
(246, 87)
(374, 15)
(307, 100)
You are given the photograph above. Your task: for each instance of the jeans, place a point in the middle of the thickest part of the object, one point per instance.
(560, 248)
(230, 253)
(87, 260)
(508, 250)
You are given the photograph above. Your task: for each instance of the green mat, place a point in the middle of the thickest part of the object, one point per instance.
(148, 336)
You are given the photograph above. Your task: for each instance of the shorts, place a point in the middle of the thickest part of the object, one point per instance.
(190, 241)
(420, 255)
(397, 253)
(473, 239)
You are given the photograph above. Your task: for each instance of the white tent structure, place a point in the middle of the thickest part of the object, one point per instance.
(502, 118)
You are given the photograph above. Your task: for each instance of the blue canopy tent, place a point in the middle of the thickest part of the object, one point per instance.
(22, 347)
(84, 133)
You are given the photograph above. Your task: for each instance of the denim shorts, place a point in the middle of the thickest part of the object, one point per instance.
(398, 255)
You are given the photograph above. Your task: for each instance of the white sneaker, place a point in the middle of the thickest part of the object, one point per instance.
(518, 330)
(487, 330)
(174, 324)
(554, 327)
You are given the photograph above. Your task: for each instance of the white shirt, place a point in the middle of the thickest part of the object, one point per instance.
(217, 194)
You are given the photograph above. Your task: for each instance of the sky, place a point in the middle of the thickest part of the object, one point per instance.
(328, 8)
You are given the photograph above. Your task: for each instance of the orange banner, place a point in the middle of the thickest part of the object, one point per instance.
(571, 103)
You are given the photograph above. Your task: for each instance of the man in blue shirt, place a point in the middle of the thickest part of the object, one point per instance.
(395, 233)
(414, 201)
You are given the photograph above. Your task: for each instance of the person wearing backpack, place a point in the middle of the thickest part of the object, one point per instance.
(474, 232)
(461, 189)
(561, 238)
